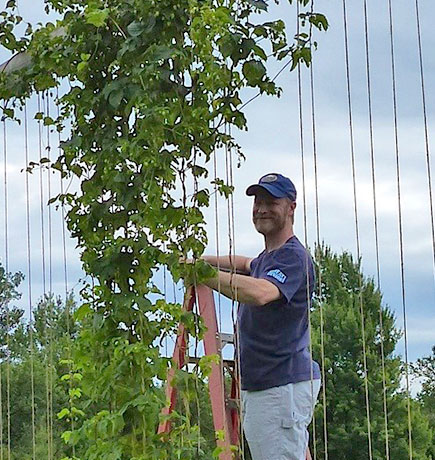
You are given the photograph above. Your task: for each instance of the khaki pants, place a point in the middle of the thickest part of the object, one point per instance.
(275, 421)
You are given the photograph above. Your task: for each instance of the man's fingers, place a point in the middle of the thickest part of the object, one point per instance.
(183, 260)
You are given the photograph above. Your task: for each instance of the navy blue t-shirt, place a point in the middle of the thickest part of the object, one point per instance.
(274, 338)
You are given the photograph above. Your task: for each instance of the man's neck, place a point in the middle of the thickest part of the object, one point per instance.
(276, 240)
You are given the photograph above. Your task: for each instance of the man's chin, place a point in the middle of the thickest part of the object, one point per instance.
(263, 229)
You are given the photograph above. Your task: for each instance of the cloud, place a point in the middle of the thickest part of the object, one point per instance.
(421, 330)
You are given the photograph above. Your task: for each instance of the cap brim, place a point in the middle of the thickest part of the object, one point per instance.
(254, 189)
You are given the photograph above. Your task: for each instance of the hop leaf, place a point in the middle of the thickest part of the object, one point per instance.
(96, 17)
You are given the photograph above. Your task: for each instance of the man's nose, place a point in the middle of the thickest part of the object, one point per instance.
(260, 209)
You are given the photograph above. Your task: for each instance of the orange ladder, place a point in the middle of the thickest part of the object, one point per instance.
(224, 407)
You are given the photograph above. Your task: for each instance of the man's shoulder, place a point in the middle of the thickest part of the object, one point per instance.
(290, 253)
(292, 247)
(294, 252)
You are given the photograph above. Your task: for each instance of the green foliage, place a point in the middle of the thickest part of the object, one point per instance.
(424, 369)
(342, 290)
(10, 316)
(74, 395)
(152, 85)
(31, 392)
(153, 88)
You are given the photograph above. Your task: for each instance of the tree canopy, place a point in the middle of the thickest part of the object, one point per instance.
(345, 299)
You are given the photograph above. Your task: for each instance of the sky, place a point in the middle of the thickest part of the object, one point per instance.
(272, 144)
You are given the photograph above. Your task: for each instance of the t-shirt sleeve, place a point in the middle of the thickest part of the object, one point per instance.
(286, 271)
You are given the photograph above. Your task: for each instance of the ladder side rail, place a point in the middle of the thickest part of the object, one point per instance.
(178, 361)
(213, 346)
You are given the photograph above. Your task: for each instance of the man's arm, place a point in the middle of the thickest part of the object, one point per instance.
(245, 289)
(238, 263)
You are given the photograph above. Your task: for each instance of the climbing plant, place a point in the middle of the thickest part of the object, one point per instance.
(147, 91)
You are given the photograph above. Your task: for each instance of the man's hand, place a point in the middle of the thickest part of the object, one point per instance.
(183, 260)
(196, 271)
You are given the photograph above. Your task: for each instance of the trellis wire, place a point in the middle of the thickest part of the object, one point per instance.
(45, 302)
(426, 130)
(6, 225)
(50, 284)
(305, 225)
(29, 278)
(355, 205)
(400, 227)
(375, 219)
(316, 190)
(41, 200)
(65, 268)
(232, 252)
(216, 218)
(197, 316)
(1, 415)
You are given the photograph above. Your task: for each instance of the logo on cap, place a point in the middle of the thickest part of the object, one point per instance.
(269, 178)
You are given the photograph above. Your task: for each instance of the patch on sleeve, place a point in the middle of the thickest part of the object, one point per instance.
(278, 275)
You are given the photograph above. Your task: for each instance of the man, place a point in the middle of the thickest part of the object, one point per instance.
(279, 380)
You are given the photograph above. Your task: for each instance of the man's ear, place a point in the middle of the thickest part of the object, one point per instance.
(292, 208)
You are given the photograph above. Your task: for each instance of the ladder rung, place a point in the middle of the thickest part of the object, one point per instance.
(226, 362)
(232, 403)
(226, 338)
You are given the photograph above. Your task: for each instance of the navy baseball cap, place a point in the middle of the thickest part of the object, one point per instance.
(276, 184)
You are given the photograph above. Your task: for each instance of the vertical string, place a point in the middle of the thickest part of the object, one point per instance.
(196, 376)
(301, 137)
(400, 227)
(8, 360)
(234, 303)
(46, 299)
(50, 303)
(1, 413)
(304, 200)
(426, 130)
(375, 222)
(185, 235)
(65, 266)
(62, 209)
(6, 230)
(216, 218)
(29, 283)
(352, 152)
(44, 284)
(319, 281)
(165, 297)
(50, 229)
(41, 200)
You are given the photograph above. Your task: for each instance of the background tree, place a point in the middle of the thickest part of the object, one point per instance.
(424, 368)
(343, 289)
(31, 375)
(10, 315)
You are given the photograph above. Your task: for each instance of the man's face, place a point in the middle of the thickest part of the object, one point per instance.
(271, 215)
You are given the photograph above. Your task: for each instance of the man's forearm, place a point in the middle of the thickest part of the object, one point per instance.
(229, 262)
(245, 289)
